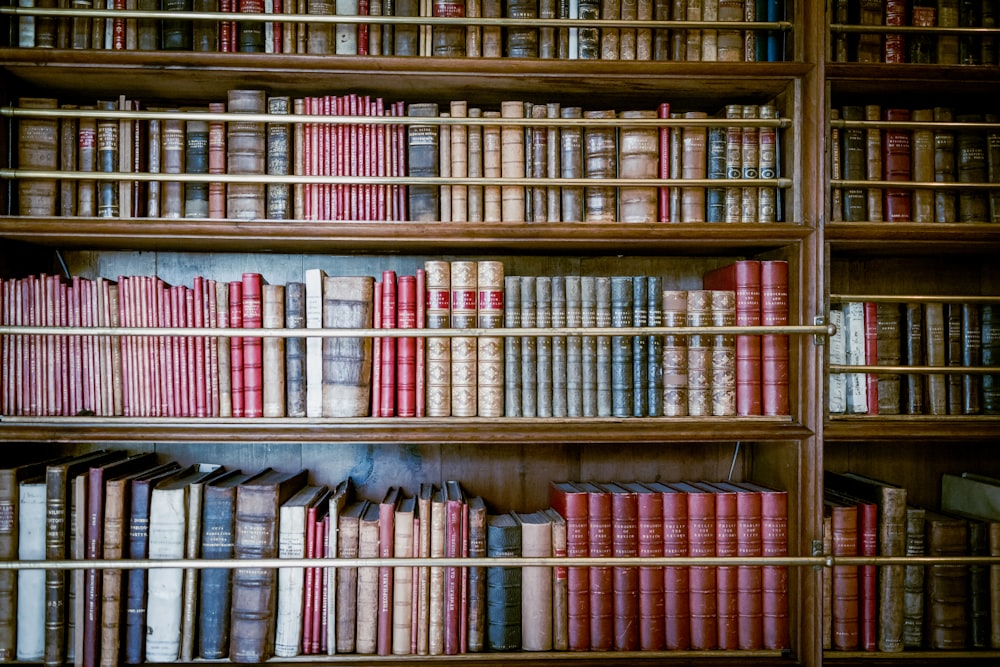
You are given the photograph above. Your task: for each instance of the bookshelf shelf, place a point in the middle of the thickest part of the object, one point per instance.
(893, 238)
(908, 427)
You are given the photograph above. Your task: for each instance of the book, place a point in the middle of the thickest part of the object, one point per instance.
(913, 579)
(572, 505)
(295, 350)
(503, 584)
(936, 400)
(291, 580)
(246, 150)
(623, 388)
(29, 609)
(253, 346)
(625, 580)
(37, 149)
(844, 587)
(347, 361)
(600, 158)
(273, 369)
(946, 585)
(278, 200)
(529, 347)
(386, 548)
(464, 365)
(874, 153)
(422, 161)
(455, 537)
(945, 201)
(853, 154)
(600, 545)
(314, 345)
(404, 528)
(438, 383)
(703, 584)
(889, 353)
(744, 278)
(367, 607)
(543, 347)
(349, 526)
(638, 159)
(536, 582)
(256, 536)
(215, 585)
(897, 162)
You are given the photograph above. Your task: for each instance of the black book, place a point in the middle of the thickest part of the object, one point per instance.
(423, 162)
(503, 584)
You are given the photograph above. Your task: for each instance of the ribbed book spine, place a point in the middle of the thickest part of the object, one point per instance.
(574, 348)
(490, 349)
(571, 165)
(253, 346)
(406, 348)
(699, 354)
(464, 294)
(424, 200)
(295, 350)
(559, 361)
(279, 146)
(654, 347)
(588, 347)
(246, 155)
(622, 347)
(512, 347)
(512, 162)
(273, 305)
(347, 361)
(438, 349)
(723, 355)
(543, 347)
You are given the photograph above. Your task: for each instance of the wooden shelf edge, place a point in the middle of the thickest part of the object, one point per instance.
(315, 237)
(920, 427)
(981, 656)
(577, 659)
(456, 430)
(898, 236)
(910, 74)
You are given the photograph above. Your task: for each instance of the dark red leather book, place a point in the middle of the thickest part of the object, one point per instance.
(388, 387)
(676, 587)
(625, 580)
(377, 352)
(651, 606)
(181, 366)
(867, 583)
(454, 539)
(386, 532)
(749, 581)
(774, 347)
(774, 541)
(844, 526)
(406, 348)
(744, 278)
(253, 351)
(703, 587)
(198, 311)
(897, 166)
(421, 362)
(663, 168)
(571, 503)
(236, 347)
(871, 354)
(726, 544)
(599, 545)
(309, 585)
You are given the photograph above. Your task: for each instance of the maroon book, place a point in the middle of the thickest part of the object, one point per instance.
(599, 545)
(571, 503)
(406, 348)
(625, 580)
(421, 362)
(703, 587)
(454, 539)
(726, 577)
(871, 354)
(386, 532)
(388, 383)
(897, 166)
(774, 347)
(253, 347)
(651, 599)
(774, 542)
(744, 278)
(663, 168)
(844, 586)
(676, 586)
(180, 344)
(236, 347)
(749, 581)
(198, 322)
(868, 546)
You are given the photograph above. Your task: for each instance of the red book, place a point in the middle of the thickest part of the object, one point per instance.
(571, 503)
(867, 584)
(749, 582)
(599, 542)
(227, 29)
(703, 587)
(844, 522)
(774, 543)
(386, 531)
(649, 504)
(179, 315)
(897, 166)
(406, 348)
(236, 347)
(744, 278)
(625, 580)
(401, 153)
(420, 389)
(212, 350)
(454, 538)
(726, 579)
(323, 551)
(118, 28)
(871, 353)
(186, 305)
(663, 111)
(200, 379)
(774, 347)
(381, 165)
(253, 350)
(377, 352)
(676, 587)
(388, 344)
(309, 584)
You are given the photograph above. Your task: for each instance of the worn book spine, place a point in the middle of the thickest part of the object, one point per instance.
(912, 334)
(219, 504)
(675, 362)
(253, 346)
(638, 159)
(406, 348)
(536, 582)
(723, 362)
(246, 154)
(972, 352)
(438, 349)
(512, 162)
(273, 351)
(715, 197)
(464, 295)
(448, 41)
(529, 347)
(172, 152)
(571, 165)
(559, 361)
(521, 41)
(29, 612)
(347, 361)
(699, 354)
(953, 356)
(874, 154)
(990, 341)
(574, 348)
(744, 279)
(945, 201)
(946, 586)
(588, 347)
(543, 347)
(750, 162)
(622, 347)
(604, 359)
(934, 353)
(854, 157)
(971, 167)
(923, 165)
(512, 347)
(490, 349)
(600, 545)
(600, 157)
(889, 353)
(422, 161)
(913, 579)
(38, 149)
(278, 199)
(897, 164)
(250, 34)
(844, 528)
(693, 165)
(775, 356)
(571, 504)
(503, 584)
(295, 357)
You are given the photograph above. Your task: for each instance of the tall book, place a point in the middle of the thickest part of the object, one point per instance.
(246, 154)
(703, 583)
(775, 361)
(946, 585)
(347, 361)
(945, 201)
(844, 586)
(278, 158)
(529, 347)
(625, 580)
(503, 584)
(490, 349)
(600, 545)
(252, 305)
(897, 164)
(367, 607)
(273, 368)
(543, 347)
(37, 149)
(404, 528)
(215, 586)
(853, 157)
(536, 582)
(971, 167)
(464, 314)
(623, 388)
(889, 353)
(744, 278)
(422, 162)
(349, 526)
(438, 382)
(913, 579)
(29, 607)
(292, 516)
(314, 345)
(295, 350)
(386, 536)
(256, 536)
(572, 504)
(600, 159)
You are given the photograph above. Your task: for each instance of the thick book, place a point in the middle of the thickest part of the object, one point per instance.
(600, 545)
(215, 586)
(844, 585)
(455, 536)
(774, 351)
(625, 580)
(438, 382)
(571, 503)
(749, 578)
(476, 590)
(386, 536)
(650, 530)
(889, 353)
(675, 357)
(464, 297)
(543, 347)
(489, 349)
(422, 162)
(349, 527)
(503, 584)
(252, 617)
(600, 160)
(946, 585)
(853, 156)
(703, 582)
(913, 579)
(897, 165)
(273, 370)
(536, 582)
(246, 152)
(347, 361)
(945, 201)
(291, 591)
(367, 608)
(404, 526)
(295, 350)
(29, 610)
(37, 149)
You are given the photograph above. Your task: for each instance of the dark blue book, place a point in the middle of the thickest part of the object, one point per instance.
(654, 347)
(215, 588)
(503, 584)
(715, 198)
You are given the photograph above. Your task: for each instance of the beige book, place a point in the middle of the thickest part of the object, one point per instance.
(536, 582)
(492, 162)
(438, 383)
(693, 166)
(464, 295)
(459, 162)
(435, 626)
(347, 361)
(638, 158)
(490, 357)
(274, 351)
(475, 167)
(402, 577)
(512, 163)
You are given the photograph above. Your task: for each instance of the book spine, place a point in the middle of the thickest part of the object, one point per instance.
(246, 148)
(490, 360)
(512, 163)
(278, 200)
(775, 359)
(406, 348)
(529, 348)
(347, 362)
(543, 347)
(559, 360)
(438, 349)
(273, 375)
(512, 347)
(897, 163)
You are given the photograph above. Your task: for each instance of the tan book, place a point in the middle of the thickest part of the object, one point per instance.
(435, 626)
(367, 606)
(444, 167)
(222, 344)
(459, 162)
(339, 497)
(512, 164)
(245, 155)
(730, 42)
(438, 383)
(600, 157)
(402, 577)
(492, 40)
(492, 168)
(86, 193)
(709, 38)
(423, 573)
(464, 295)
(571, 165)
(699, 354)
(693, 165)
(873, 162)
(560, 584)
(638, 158)
(489, 349)
(273, 306)
(347, 361)
(923, 166)
(37, 149)
(475, 167)
(723, 364)
(347, 578)
(536, 582)
(767, 207)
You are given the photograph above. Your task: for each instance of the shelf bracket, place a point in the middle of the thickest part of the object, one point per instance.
(819, 339)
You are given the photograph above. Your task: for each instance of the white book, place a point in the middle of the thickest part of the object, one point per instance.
(838, 355)
(314, 346)
(857, 389)
(574, 33)
(291, 580)
(26, 26)
(269, 27)
(347, 33)
(31, 583)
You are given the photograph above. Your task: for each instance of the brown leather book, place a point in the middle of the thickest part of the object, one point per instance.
(490, 349)
(676, 586)
(638, 158)
(386, 534)
(743, 278)
(367, 606)
(254, 589)
(675, 366)
(774, 541)
(945, 201)
(37, 149)
(571, 503)
(844, 527)
(600, 545)
(897, 164)
(703, 592)
(246, 155)
(749, 578)
(600, 155)
(889, 353)
(625, 580)
(652, 612)
(693, 165)
(923, 165)
(874, 151)
(476, 589)
(913, 579)
(947, 586)
(971, 167)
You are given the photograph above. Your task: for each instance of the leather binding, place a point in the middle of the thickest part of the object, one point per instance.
(749, 578)
(844, 527)
(971, 165)
(602, 288)
(945, 201)
(295, 353)
(543, 347)
(853, 155)
(953, 356)
(622, 349)
(625, 580)
(675, 366)
(654, 347)
(972, 354)
(723, 363)
(529, 348)
(703, 584)
(278, 160)
(875, 152)
(512, 164)
(728, 611)
(347, 362)
(638, 159)
(699, 354)
(600, 545)
(588, 347)
(246, 154)
(560, 374)
(600, 156)
(349, 526)
(934, 339)
(464, 294)
(536, 582)
(253, 346)
(897, 163)
(640, 349)
(367, 608)
(273, 349)
(503, 584)
(489, 349)
(889, 353)
(386, 547)
(572, 504)
(913, 579)
(744, 278)
(477, 576)
(693, 166)
(512, 347)
(438, 349)
(947, 586)
(652, 612)
(775, 361)
(571, 165)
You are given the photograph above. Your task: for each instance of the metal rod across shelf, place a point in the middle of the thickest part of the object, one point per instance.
(913, 298)
(915, 370)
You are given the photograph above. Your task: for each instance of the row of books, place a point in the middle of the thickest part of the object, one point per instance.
(924, 47)
(893, 608)
(418, 376)
(412, 39)
(123, 505)
(937, 334)
(380, 151)
(929, 154)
